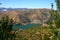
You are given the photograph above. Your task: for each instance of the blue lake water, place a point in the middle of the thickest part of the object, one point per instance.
(18, 26)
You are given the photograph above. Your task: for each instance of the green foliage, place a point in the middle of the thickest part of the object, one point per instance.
(46, 37)
(59, 35)
(57, 16)
(58, 4)
(6, 25)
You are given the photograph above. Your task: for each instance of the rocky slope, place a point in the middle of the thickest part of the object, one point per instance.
(37, 16)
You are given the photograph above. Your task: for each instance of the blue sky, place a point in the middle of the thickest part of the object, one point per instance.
(27, 3)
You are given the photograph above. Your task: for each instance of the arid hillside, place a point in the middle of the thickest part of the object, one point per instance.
(37, 16)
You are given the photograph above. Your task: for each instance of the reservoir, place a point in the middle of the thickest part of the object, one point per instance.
(18, 26)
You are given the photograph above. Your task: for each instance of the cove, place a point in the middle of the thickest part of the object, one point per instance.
(22, 27)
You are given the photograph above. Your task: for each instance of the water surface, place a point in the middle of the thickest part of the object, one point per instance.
(18, 26)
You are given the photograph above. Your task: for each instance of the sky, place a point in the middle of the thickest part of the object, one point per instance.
(27, 3)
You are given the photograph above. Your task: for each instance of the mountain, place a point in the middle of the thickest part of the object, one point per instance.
(25, 16)
(2, 9)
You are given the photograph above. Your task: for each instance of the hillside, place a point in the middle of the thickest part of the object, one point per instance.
(37, 16)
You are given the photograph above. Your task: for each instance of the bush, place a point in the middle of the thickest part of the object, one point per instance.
(6, 25)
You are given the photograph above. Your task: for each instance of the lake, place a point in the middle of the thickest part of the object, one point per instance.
(18, 26)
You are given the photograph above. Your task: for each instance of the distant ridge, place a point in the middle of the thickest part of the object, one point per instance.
(8, 9)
